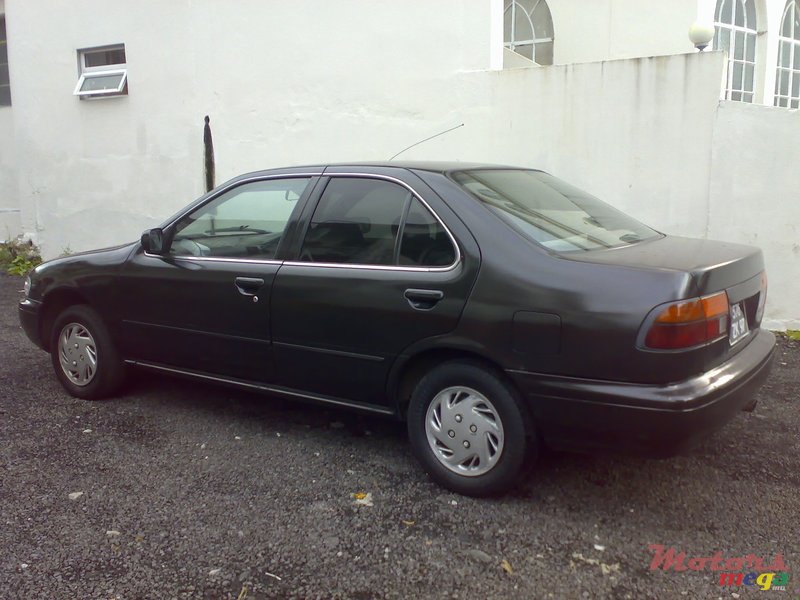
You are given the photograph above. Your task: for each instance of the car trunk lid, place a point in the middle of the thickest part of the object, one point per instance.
(713, 266)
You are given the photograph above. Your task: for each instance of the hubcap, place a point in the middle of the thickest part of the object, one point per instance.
(77, 354)
(464, 431)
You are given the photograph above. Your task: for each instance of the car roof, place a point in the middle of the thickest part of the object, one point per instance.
(432, 166)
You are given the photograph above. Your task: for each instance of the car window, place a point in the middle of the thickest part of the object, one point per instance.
(551, 212)
(245, 222)
(425, 242)
(356, 222)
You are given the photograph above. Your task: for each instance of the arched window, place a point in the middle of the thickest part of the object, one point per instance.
(528, 29)
(736, 33)
(787, 83)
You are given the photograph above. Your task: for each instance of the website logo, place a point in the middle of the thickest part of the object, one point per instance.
(748, 570)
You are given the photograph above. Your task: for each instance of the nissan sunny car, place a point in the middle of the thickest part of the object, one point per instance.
(494, 309)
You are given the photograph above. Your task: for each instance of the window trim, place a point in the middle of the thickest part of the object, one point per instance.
(791, 72)
(101, 71)
(92, 74)
(513, 43)
(733, 29)
(312, 264)
(6, 64)
(292, 263)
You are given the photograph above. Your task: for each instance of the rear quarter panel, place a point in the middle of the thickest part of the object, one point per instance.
(600, 307)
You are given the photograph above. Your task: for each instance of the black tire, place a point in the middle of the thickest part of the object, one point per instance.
(109, 372)
(519, 447)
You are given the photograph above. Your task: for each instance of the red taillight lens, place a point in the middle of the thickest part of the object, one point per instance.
(689, 323)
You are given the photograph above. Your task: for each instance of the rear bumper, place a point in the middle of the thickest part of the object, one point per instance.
(659, 420)
(29, 312)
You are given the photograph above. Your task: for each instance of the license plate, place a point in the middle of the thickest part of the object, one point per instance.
(739, 326)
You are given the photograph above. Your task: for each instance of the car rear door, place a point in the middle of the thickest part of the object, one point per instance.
(375, 271)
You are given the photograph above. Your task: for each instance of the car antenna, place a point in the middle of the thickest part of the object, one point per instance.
(426, 139)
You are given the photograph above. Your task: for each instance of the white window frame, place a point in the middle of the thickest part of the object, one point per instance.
(750, 30)
(791, 72)
(101, 71)
(514, 43)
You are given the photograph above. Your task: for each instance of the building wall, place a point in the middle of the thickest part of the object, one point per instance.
(635, 132)
(10, 225)
(304, 81)
(595, 30)
(755, 196)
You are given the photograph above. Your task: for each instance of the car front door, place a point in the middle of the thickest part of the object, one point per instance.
(204, 304)
(375, 271)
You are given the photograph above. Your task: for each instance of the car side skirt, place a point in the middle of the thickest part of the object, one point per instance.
(264, 388)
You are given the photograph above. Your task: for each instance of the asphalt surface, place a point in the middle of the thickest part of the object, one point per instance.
(193, 491)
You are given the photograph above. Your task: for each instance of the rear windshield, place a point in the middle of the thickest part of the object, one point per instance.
(551, 212)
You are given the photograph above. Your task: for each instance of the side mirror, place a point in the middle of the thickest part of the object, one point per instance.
(153, 241)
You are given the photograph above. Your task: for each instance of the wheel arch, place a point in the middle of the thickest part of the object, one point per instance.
(407, 373)
(53, 304)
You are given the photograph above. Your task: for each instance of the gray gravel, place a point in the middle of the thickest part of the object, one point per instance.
(193, 491)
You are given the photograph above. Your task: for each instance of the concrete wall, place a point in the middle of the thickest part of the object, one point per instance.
(10, 225)
(305, 81)
(636, 133)
(755, 196)
(594, 30)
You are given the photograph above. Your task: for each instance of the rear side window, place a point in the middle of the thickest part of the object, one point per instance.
(425, 242)
(551, 212)
(363, 221)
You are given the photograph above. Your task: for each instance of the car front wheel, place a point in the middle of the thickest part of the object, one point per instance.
(83, 355)
(468, 429)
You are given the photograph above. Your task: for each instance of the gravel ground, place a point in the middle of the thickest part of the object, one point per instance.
(193, 491)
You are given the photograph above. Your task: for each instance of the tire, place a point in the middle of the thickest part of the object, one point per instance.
(464, 404)
(80, 339)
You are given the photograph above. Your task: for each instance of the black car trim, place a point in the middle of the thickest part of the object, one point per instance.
(182, 257)
(331, 351)
(198, 331)
(263, 388)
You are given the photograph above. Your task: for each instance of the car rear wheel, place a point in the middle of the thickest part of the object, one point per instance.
(468, 430)
(83, 355)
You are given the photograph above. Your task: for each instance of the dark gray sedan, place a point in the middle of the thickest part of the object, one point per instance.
(495, 309)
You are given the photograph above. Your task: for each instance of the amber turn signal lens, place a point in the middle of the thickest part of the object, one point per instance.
(689, 323)
(695, 309)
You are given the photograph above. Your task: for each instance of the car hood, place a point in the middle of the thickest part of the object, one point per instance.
(713, 265)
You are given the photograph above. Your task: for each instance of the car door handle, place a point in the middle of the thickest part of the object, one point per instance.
(423, 299)
(249, 285)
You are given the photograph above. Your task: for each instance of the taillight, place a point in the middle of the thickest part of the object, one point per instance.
(762, 297)
(689, 323)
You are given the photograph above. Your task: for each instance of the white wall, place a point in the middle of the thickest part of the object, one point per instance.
(10, 225)
(594, 30)
(283, 83)
(636, 132)
(755, 196)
